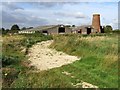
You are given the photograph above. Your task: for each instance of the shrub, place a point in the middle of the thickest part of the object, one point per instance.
(108, 29)
(116, 31)
(8, 60)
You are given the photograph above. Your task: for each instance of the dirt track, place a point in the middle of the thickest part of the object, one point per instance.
(44, 58)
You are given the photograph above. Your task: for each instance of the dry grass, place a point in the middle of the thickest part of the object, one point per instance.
(109, 60)
(97, 38)
(12, 38)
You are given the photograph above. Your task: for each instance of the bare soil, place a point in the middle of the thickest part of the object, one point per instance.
(44, 58)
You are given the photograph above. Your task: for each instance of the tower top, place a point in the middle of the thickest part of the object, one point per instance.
(96, 14)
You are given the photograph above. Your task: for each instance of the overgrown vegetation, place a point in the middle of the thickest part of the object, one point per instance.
(108, 29)
(14, 50)
(98, 64)
(116, 31)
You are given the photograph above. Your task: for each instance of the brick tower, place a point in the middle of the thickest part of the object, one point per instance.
(96, 22)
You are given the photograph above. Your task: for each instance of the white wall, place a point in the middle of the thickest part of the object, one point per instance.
(28, 32)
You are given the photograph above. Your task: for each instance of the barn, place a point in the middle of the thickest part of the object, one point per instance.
(84, 29)
(49, 29)
(65, 29)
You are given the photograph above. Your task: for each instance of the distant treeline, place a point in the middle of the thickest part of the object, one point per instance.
(14, 29)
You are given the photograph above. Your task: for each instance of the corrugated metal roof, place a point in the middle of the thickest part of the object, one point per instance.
(82, 27)
(39, 28)
(47, 27)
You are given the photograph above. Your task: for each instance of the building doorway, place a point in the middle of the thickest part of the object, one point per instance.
(61, 30)
(80, 31)
(88, 30)
(102, 29)
(45, 32)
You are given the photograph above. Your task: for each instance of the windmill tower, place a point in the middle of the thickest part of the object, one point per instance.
(96, 22)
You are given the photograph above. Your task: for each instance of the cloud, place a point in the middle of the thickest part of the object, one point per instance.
(45, 4)
(68, 14)
(44, 13)
(37, 21)
(6, 17)
(23, 20)
(12, 14)
(10, 6)
(49, 4)
(113, 23)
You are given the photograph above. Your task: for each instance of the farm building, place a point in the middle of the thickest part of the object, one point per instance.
(50, 29)
(63, 29)
(85, 29)
(88, 29)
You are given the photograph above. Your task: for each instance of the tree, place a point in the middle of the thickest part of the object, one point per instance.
(68, 26)
(14, 28)
(24, 28)
(73, 25)
(3, 31)
(116, 31)
(7, 31)
(108, 29)
(30, 28)
(0, 31)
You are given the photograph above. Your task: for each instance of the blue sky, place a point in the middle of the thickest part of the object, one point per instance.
(27, 14)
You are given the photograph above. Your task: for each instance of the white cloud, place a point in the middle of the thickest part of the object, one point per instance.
(36, 14)
(12, 14)
(70, 14)
(10, 6)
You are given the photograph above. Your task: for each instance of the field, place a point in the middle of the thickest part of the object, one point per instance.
(98, 64)
(14, 51)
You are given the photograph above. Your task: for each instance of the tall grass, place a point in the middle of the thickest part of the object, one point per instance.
(14, 50)
(99, 63)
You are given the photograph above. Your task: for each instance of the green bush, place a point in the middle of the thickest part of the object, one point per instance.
(34, 38)
(116, 31)
(108, 29)
(9, 60)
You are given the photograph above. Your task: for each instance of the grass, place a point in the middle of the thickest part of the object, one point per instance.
(98, 64)
(14, 50)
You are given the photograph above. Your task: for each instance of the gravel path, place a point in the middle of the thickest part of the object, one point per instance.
(44, 58)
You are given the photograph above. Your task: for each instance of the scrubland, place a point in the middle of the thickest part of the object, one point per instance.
(98, 64)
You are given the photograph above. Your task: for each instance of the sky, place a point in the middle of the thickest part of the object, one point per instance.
(33, 14)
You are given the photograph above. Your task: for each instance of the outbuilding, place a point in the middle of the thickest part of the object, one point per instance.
(84, 29)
